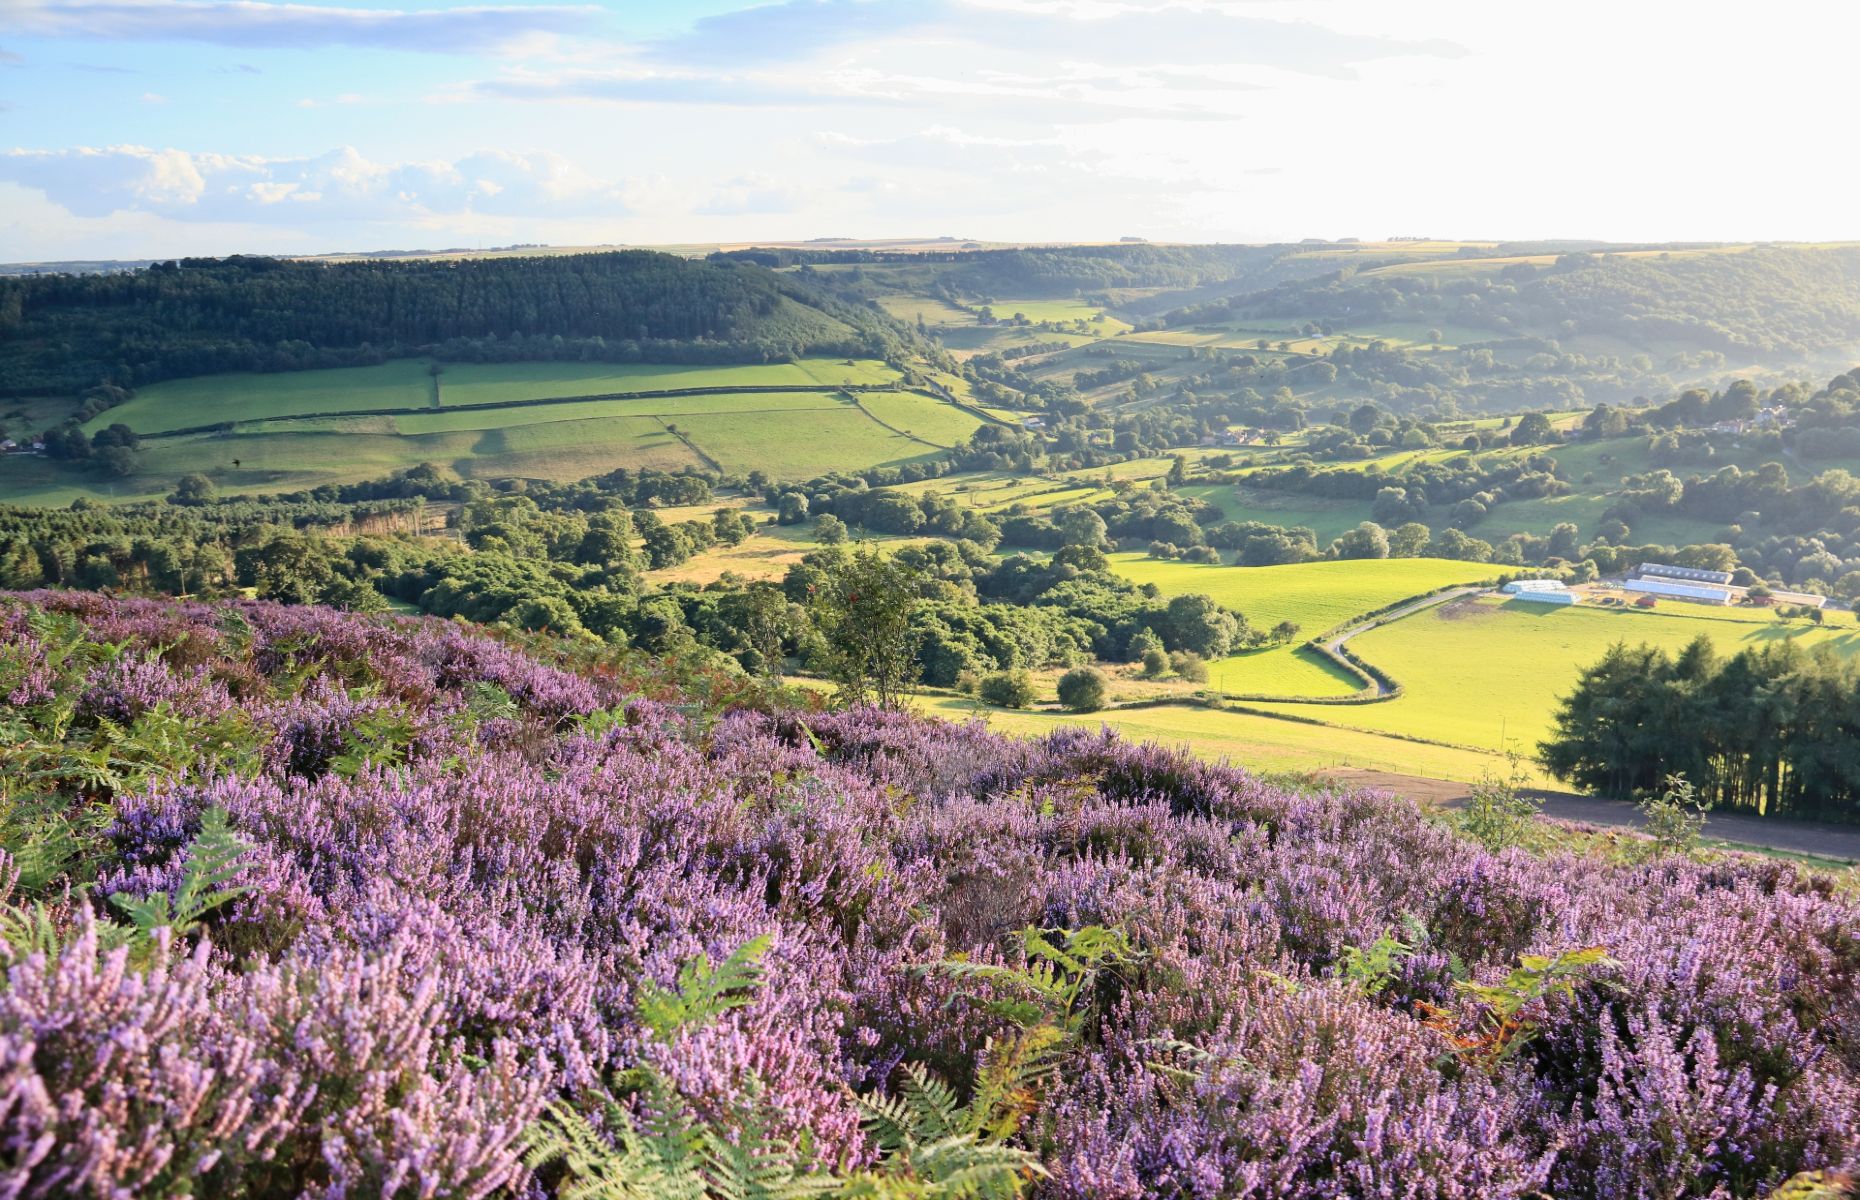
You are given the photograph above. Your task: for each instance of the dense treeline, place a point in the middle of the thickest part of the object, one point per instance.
(62, 333)
(569, 558)
(1774, 730)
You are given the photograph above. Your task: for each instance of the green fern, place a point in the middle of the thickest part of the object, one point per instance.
(1059, 980)
(215, 858)
(704, 992)
(630, 1167)
(377, 739)
(941, 1147)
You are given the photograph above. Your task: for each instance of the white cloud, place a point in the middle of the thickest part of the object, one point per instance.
(341, 185)
(460, 29)
(748, 195)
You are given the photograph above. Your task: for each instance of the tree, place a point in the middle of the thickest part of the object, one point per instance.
(864, 608)
(664, 548)
(1083, 689)
(1195, 622)
(117, 462)
(829, 530)
(1533, 429)
(1410, 541)
(1393, 506)
(1454, 544)
(1082, 527)
(791, 509)
(192, 490)
(1368, 540)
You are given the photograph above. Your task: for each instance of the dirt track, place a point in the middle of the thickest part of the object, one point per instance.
(1798, 837)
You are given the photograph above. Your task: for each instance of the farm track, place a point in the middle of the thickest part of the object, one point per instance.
(1815, 838)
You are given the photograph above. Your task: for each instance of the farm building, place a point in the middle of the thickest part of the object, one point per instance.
(1802, 598)
(1549, 596)
(1695, 592)
(1540, 591)
(1688, 574)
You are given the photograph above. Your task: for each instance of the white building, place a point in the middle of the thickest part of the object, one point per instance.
(1698, 593)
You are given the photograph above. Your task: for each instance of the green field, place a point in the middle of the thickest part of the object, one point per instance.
(408, 384)
(939, 424)
(800, 445)
(671, 408)
(1316, 596)
(500, 383)
(1485, 673)
(1248, 740)
(212, 399)
(280, 435)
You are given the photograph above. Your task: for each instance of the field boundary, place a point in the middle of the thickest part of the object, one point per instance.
(903, 433)
(543, 401)
(690, 445)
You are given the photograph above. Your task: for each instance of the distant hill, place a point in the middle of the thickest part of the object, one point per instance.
(63, 333)
(1743, 301)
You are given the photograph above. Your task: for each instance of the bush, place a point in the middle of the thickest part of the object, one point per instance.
(1008, 689)
(1155, 662)
(1189, 666)
(1083, 689)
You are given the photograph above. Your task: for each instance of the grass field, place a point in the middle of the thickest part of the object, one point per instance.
(937, 423)
(211, 399)
(800, 445)
(1315, 596)
(1255, 742)
(1485, 673)
(498, 383)
(280, 435)
(407, 383)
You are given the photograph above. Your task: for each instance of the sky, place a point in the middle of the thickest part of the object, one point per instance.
(157, 128)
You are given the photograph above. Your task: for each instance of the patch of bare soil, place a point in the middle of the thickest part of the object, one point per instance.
(1466, 608)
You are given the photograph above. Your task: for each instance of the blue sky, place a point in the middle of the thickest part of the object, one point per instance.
(138, 128)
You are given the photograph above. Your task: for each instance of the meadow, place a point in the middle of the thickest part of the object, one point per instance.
(282, 436)
(1315, 596)
(1488, 673)
(1259, 743)
(409, 384)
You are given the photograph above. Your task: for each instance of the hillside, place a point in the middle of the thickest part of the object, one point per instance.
(384, 898)
(63, 333)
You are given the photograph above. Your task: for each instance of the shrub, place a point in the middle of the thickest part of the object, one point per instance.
(1008, 689)
(1155, 663)
(1675, 816)
(1189, 666)
(1083, 689)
